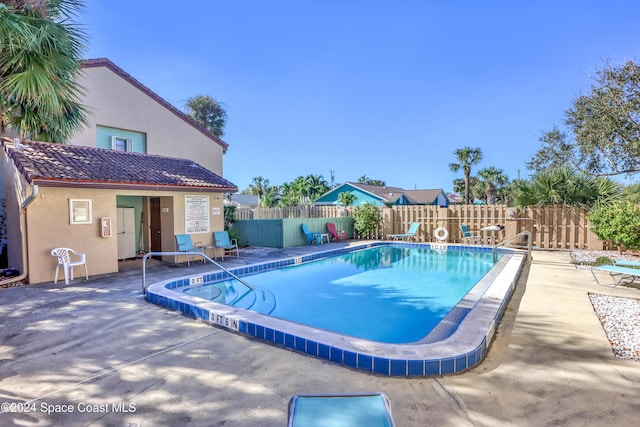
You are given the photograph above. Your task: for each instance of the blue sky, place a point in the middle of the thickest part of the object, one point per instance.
(365, 87)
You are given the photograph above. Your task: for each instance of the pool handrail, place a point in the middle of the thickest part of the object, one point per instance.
(522, 233)
(150, 254)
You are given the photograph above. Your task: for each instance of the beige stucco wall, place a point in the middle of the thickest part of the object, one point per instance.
(114, 102)
(48, 226)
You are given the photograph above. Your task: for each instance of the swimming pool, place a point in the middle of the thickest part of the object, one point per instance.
(457, 341)
(386, 293)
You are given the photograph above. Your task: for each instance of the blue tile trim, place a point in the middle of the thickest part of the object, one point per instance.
(350, 359)
(365, 362)
(381, 366)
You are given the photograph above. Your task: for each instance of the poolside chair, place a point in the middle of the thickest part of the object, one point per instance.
(411, 232)
(185, 244)
(625, 263)
(467, 235)
(311, 237)
(335, 234)
(334, 410)
(615, 270)
(64, 260)
(222, 241)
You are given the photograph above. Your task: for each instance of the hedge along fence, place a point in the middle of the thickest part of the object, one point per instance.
(551, 227)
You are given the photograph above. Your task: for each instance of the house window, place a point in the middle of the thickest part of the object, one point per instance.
(79, 211)
(120, 143)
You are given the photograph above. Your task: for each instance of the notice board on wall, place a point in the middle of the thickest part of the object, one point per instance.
(196, 214)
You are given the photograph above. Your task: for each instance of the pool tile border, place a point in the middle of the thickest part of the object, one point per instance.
(443, 353)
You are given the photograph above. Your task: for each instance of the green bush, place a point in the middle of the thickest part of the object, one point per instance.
(619, 223)
(367, 219)
(603, 260)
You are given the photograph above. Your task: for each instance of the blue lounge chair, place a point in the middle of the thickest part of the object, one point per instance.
(615, 270)
(625, 263)
(413, 229)
(467, 235)
(311, 237)
(336, 410)
(222, 241)
(185, 244)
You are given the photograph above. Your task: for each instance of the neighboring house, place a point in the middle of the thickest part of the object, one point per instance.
(242, 200)
(455, 199)
(384, 195)
(123, 114)
(74, 196)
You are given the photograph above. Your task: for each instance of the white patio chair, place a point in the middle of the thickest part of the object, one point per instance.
(64, 260)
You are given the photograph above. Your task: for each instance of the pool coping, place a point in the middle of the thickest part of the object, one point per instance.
(455, 352)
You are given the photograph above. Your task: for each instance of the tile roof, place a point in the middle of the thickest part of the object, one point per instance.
(57, 165)
(104, 62)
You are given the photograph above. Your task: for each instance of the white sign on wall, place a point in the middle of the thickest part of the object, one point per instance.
(196, 214)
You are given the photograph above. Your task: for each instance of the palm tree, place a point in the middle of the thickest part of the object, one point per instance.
(316, 186)
(467, 157)
(207, 112)
(258, 187)
(40, 52)
(491, 181)
(566, 186)
(346, 198)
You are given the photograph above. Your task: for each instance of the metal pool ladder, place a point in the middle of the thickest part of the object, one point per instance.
(144, 267)
(494, 250)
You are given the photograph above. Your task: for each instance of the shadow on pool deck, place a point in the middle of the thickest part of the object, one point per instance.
(99, 348)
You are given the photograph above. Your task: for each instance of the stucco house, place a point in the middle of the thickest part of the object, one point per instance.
(137, 157)
(384, 195)
(70, 196)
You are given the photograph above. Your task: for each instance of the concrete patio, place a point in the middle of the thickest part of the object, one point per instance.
(98, 351)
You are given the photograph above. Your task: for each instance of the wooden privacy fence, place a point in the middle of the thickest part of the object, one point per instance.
(290, 212)
(551, 227)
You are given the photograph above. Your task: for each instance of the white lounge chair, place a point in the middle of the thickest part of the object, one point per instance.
(615, 270)
(64, 260)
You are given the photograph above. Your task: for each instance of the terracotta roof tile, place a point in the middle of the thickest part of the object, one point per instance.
(50, 164)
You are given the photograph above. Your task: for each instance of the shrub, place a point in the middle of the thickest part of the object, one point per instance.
(619, 223)
(367, 219)
(603, 260)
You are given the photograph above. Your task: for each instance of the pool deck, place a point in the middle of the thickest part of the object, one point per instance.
(97, 348)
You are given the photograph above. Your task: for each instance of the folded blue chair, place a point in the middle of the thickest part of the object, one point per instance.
(340, 410)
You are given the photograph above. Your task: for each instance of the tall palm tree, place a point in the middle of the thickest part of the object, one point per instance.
(258, 186)
(491, 181)
(40, 52)
(467, 157)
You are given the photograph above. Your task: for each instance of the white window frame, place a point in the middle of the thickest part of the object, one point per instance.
(80, 211)
(127, 141)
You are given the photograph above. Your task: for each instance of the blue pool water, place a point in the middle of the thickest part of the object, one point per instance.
(387, 294)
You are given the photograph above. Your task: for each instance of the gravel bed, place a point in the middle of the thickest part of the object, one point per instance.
(584, 258)
(620, 318)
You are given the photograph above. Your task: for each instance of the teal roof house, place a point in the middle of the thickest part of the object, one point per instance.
(384, 195)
